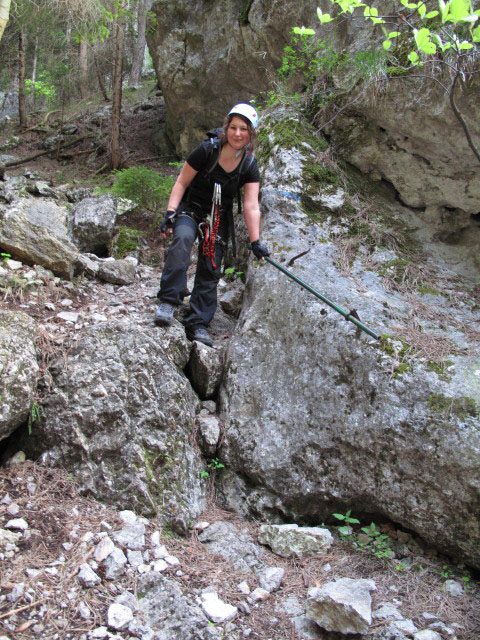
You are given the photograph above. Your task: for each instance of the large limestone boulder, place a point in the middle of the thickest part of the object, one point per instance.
(340, 420)
(120, 417)
(201, 57)
(18, 369)
(92, 224)
(35, 231)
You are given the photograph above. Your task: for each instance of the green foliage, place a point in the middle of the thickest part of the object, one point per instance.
(126, 242)
(462, 407)
(44, 87)
(375, 541)
(5, 257)
(348, 520)
(36, 413)
(143, 186)
(232, 274)
(213, 465)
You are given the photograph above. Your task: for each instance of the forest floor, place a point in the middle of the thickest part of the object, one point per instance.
(417, 582)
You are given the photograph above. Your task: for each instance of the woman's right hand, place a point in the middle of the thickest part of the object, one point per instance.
(167, 224)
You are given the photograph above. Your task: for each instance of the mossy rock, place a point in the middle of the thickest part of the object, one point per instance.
(462, 407)
(126, 242)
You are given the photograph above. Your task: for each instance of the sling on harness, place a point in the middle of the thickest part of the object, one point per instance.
(209, 228)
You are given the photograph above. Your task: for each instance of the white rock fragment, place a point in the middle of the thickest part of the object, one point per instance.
(270, 578)
(291, 540)
(118, 616)
(103, 549)
(452, 587)
(17, 523)
(215, 609)
(160, 552)
(244, 588)
(201, 526)
(427, 634)
(344, 606)
(387, 610)
(13, 509)
(127, 517)
(87, 577)
(68, 316)
(171, 560)
(402, 626)
(84, 611)
(16, 593)
(99, 633)
(258, 595)
(160, 565)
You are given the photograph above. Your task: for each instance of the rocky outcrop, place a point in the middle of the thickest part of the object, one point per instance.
(402, 132)
(120, 417)
(92, 224)
(335, 423)
(18, 369)
(35, 230)
(209, 59)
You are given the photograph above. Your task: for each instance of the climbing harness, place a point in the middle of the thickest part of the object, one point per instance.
(208, 229)
(351, 316)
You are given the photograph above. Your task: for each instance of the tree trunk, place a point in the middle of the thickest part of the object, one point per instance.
(4, 12)
(101, 83)
(118, 38)
(83, 64)
(22, 110)
(139, 49)
(34, 70)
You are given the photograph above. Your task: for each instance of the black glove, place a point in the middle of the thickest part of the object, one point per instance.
(168, 221)
(259, 251)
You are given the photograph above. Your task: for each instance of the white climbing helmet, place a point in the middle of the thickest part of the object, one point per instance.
(247, 111)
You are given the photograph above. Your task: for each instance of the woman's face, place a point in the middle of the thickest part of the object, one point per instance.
(238, 135)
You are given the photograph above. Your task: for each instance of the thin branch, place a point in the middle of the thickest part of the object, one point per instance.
(461, 119)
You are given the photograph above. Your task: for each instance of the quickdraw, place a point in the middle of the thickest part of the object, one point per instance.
(209, 228)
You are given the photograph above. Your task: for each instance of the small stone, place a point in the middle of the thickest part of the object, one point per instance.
(99, 632)
(387, 610)
(402, 626)
(160, 552)
(215, 609)
(18, 458)
(244, 588)
(17, 523)
(6, 499)
(201, 526)
(84, 611)
(452, 587)
(103, 549)
(13, 509)
(172, 560)
(258, 595)
(427, 634)
(135, 557)
(119, 616)
(16, 593)
(160, 565)
(87, 577)
(115, 564)
(128, 517)
(68, 316)
(270, 578)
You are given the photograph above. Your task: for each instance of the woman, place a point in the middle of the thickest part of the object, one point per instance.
(201, 204)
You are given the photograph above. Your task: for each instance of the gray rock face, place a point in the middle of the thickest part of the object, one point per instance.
(205, 369)
(329, 427)
(252, 36)
(92, 224)
(18, 369)
(344, 606)
(167, 610)
(120, 417)
(35, 231)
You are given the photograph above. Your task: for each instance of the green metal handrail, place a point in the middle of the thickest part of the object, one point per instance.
(347, 315)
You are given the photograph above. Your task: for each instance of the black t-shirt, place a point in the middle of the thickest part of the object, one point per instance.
(200, 191)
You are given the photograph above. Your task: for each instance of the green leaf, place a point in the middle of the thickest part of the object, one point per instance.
(303, 31)
(465, 45)
(339, 516)
(413, 57)
(422, 9)
(393, 34)
(476, 34)
(431, 14)
(386, 44)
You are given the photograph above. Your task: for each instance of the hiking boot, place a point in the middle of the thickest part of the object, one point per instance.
(200, 334)
(164, 314)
